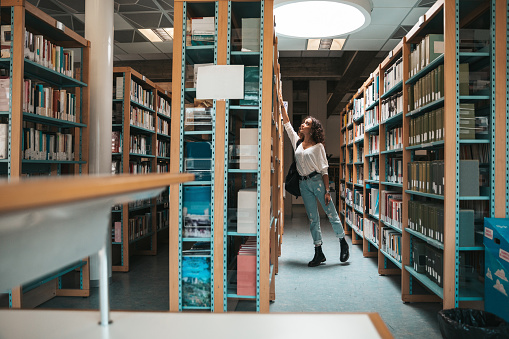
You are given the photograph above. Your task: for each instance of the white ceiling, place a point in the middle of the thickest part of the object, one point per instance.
(387, 17)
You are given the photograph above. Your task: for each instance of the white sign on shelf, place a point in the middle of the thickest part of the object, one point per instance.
(220, 82)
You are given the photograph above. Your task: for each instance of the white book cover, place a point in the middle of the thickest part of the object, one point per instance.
(4, 138)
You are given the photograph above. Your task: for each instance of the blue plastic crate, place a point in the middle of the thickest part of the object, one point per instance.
(197, 200)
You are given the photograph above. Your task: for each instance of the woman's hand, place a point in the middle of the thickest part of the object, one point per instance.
(327, 198)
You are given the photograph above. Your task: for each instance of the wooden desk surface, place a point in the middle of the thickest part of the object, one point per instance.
(56, 324)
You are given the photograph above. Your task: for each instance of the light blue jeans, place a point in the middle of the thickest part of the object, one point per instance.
(312, 189)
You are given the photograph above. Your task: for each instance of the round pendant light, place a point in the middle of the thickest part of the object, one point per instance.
(321, 19)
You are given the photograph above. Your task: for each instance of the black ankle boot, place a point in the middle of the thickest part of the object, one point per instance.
(318, 258)
(345, 253)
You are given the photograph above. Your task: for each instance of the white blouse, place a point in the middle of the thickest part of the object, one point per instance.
(310, 159)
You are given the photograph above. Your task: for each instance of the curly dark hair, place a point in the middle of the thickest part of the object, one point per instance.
(317, 132)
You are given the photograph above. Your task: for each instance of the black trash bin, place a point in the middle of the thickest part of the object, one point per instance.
(464, 323)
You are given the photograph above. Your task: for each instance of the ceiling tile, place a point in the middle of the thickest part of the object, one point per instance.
(117, 50)
(120, 23)
(123, 36)
(129, 57)
(144, 20)
(394, 3)
(164, 47)
(154, 56)
(138, 37)
(289, 54)
(49, 7)
(289, 44)
(80, 17)
(414, 16)
(165, 22)
(388, 16)
(167, 5)
(391, 43)
(374, 32)
(364, 44)
(137, 8)
(138, 47)
(73, 6)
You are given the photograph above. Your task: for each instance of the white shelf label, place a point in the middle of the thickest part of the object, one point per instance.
(60, 26)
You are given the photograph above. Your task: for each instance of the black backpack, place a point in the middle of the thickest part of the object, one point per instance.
(293, 177)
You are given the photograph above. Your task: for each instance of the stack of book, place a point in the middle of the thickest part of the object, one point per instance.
(246, 268)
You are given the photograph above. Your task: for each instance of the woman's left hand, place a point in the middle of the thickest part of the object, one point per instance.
(327, 198)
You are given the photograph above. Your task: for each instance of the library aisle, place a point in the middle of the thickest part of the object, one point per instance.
(354, 286)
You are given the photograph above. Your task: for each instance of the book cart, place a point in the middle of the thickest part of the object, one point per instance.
(44, 116)
(220, 240)
(422, 211)
(140, 144)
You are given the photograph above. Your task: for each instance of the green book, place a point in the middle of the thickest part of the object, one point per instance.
(464, 78)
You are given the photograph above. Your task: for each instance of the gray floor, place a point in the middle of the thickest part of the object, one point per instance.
(332, 287)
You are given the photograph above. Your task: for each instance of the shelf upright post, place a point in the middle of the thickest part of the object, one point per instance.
(17, 72)
(501, 155)
(451, 153)
(265, 109)
(224, 184)
(219, 266)
(176, 158)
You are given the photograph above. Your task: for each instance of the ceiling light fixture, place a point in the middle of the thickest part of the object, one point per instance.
(325, 44)
(321, 19)
(158, 34)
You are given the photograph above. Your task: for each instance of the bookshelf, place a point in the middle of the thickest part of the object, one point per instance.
(241, 190)
(426, 157)
(140, 144)
(44, 121)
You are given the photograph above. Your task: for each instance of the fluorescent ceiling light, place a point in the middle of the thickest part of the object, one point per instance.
(321, 19)
(158, 34)
(325, 44)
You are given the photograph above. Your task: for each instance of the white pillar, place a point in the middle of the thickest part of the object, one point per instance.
(99, 31)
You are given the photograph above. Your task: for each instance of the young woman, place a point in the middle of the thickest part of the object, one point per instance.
(312, 166)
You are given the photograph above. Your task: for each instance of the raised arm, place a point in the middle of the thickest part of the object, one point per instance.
(283, 110)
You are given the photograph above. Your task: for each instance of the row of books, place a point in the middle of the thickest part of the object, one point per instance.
(371, 230)
(428, 260)
(394, 139)
(427, 50)
(372, 91)
(139, 144)
(394, 172)
(139, 226)
(163, 127)
(347, 118)
(40, 50)
(350, 134)
(479, 152)
(358, 200)
(358, 222)
(138, 94)
(372, 117)
(140, 167)
(472, 126)
(391, 242)
(391, 207)
(141, 118)
(428, 89)
(374, 173)
(427, 128)
(374, 143)
(426, 176)
(391, 106)
(162, 221)
(163, 148)
(4, 138)
(427, 219)
(47, 101)
(358, 108)
(163, 107)
(44, 145)
(359, 131)
(372, 201)
(360, 152)
(163, 167)
(246, 268)
(116, 142)
(393, 75)
(348, 196)
(360, 175)
(342, 189)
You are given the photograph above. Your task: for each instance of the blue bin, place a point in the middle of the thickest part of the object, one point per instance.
(496, 282)
(197, 200)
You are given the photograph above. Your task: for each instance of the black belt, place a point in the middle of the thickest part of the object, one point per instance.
(309, 176)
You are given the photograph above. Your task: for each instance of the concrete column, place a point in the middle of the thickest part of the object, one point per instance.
(99, 31)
